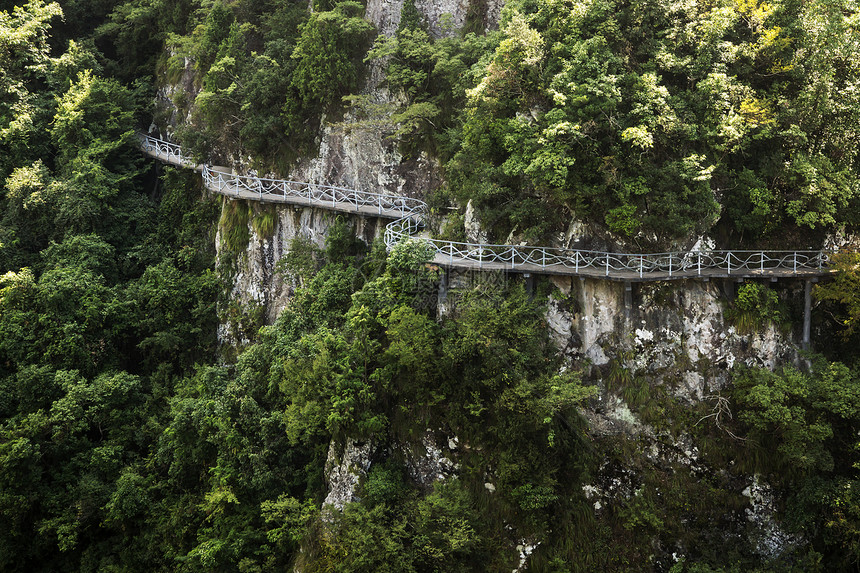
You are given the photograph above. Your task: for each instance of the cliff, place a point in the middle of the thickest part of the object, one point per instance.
(660, 355)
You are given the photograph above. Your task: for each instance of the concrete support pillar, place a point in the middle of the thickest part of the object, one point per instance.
(807, 314)
(443, 287)
(729, 290)
(530, 284)
(628, 300)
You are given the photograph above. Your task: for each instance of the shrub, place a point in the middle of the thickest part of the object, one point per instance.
(755, 307)
(234, 225)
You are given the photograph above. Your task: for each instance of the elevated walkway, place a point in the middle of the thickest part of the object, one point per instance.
(407, 214)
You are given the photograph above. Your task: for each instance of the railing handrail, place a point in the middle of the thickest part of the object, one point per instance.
(409, 213)
(394, 204)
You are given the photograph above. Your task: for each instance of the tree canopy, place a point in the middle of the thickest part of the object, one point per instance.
(660, 120)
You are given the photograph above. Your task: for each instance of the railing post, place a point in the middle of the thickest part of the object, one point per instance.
(670, 265)
(641, 265)
(543, 260)
(577, 262)
(795, 262)
(480, 256)
(807, 314)
(607, 264)
(451, 253)
(729, 262)
(820, 256)
(700, 263)
(762, 262)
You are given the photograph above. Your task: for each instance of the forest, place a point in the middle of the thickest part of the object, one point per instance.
(134, 438)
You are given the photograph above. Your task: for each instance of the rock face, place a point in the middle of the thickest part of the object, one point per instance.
(258, 278)
(362, 157)
(430, 465)
(344, 470)
(769, 539)
(442, 17)
(166, 110)
(672, 330)
(671, 339)
(384, 15)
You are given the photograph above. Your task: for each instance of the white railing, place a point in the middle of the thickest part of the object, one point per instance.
(166, 151)
(326, 196)
(408, 214)
(284, 191)
(621, 265)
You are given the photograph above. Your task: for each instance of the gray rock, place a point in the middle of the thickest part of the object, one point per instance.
(344, 470)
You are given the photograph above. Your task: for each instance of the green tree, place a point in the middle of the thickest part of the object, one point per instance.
(844, 291)
(326, 54)
(24, 62)
(803, 427)
(658, 120)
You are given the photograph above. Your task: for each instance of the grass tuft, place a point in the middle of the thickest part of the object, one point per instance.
(265, 221)
(233, 225)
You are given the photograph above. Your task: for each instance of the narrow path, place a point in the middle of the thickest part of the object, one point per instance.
(408, 221)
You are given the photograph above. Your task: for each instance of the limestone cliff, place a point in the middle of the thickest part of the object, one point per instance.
(354, 154)
(671, 337)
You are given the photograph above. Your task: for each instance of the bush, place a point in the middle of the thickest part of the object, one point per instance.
(234, 225)
(755, 307)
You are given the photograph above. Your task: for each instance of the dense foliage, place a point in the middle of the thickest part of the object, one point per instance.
(652, 122)
(268, 72)
(661, 118)
(107, 295)
(129, 441)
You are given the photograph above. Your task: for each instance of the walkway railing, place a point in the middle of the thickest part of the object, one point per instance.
(408, 214)
(166, 151)
(325, 196)
(221, 180)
